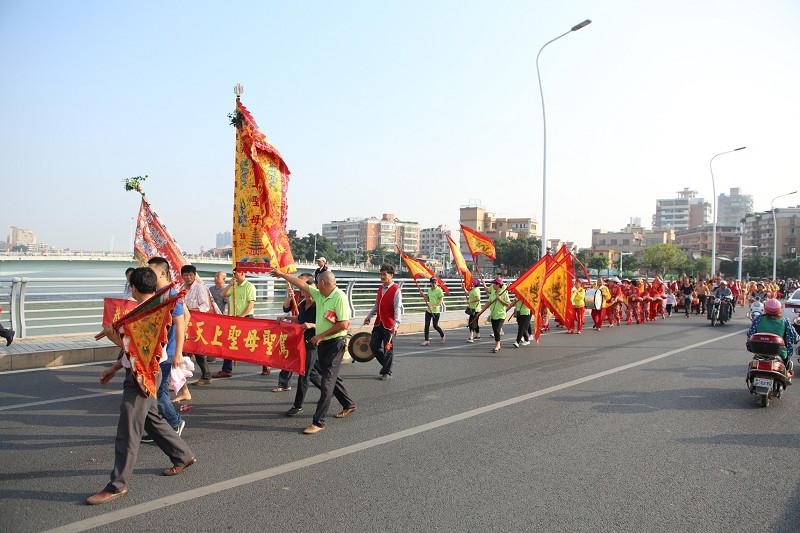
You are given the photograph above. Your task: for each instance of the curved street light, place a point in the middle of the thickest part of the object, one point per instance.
(714, 191)
(775, 235)
(544, 124)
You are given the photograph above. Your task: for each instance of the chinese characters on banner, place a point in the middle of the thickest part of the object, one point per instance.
(252, 340)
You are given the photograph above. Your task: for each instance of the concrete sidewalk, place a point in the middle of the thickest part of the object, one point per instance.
(54, 351)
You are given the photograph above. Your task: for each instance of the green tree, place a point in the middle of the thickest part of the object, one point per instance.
(757, 266)
(662, 257)
(629, 262)
(790, 268)
(598, 262)
(517, 254)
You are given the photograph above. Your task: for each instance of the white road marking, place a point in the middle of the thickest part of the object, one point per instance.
(201, 492)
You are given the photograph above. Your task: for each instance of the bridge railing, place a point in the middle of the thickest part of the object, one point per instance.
(59, 306)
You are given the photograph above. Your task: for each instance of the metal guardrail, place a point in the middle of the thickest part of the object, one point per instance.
(57, 306)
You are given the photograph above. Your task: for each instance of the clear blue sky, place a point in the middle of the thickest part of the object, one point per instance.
(410, 107)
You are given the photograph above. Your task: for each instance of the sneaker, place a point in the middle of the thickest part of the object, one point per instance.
(516, 344)
(478, 338)
(443, 339)
(179, 429)
(385, 377)
(470, 340)
(148, 439)
(294, 411)
(222, 374)
(526, 343)
(424, 343)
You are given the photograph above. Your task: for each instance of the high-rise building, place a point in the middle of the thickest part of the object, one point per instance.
(224, 239)
(20, 236)
(365, 234)
(759, 231)
(433, 243)
(686, 211)
(731, 209)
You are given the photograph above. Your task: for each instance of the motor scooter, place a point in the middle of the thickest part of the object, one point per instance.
(767, 376)
(756, 308)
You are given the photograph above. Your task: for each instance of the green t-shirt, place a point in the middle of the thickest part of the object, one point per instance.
(498, 309)
(475, 299)
(435, 299)
(242, 294)
(330, 310)
(521, 308)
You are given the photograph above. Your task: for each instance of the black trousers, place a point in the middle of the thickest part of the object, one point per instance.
(311, 376)
(523, 324)
(473, 322)
(329, 355)
(435, 318)
(377, 343)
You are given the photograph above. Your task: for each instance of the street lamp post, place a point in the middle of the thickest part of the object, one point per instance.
(544, 124)
(714, 191)
(621, 253)
(775, 235)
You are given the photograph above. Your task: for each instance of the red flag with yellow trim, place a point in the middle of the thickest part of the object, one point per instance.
(478, 243)
(154, 239)
(556, 291)
(144, 334)
(419, 270)
(461, 264)
(528, 287)
(260, 241)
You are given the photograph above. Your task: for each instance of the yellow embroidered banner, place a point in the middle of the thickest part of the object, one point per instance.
(260, 241)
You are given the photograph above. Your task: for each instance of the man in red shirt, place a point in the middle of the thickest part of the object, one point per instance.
(387, 309)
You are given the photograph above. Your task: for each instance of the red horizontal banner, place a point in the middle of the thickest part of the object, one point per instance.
(252, 340)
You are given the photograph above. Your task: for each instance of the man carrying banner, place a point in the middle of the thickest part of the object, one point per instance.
(242, 296)
(333, 319)
(387, 309)
(138, 412)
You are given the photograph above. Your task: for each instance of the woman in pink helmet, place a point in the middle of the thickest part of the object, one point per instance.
(772, 321)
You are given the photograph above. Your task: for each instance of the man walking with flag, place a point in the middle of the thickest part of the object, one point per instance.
(138, 411)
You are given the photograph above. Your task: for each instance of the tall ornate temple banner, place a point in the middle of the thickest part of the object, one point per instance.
(260, 241)
(153, 239)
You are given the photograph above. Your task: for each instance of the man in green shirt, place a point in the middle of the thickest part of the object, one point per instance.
(242, 296)
(332, 321)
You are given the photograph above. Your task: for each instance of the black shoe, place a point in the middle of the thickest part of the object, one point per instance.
(147, 439)
(8, 335)
(294, 411)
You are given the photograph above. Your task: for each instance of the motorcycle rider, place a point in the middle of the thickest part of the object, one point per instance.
(724, 292)
(772, 321)
(760, 293)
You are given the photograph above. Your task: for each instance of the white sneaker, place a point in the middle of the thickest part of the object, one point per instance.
(180, 427)
(424, 343)
(443, 339)
(470, 340)
(516, 344)
(526, 343)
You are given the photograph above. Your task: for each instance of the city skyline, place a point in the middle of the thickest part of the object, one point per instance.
(378, 113)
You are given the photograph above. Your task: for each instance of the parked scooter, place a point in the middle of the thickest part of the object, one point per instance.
(766, 373)
(756, 308)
